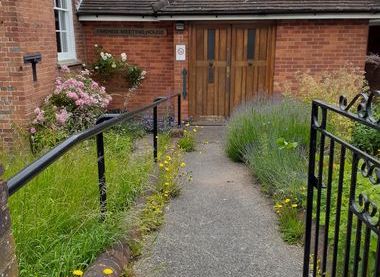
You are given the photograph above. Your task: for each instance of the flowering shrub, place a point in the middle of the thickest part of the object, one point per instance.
(107, 66)
(75, 104)
(328, 86)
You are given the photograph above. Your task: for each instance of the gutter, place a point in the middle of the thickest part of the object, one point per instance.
(142, 18)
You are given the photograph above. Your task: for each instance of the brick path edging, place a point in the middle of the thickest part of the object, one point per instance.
(8, 261)
(118, 257)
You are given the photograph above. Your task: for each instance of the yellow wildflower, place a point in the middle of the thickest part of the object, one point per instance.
(294, 206)
(194, 130)
(161, 165)
(287, 200)
(187, 125)
(166, 162)
(168, 158)
(167, 184)
(78, 272)
(167, 168)
(183, 164)
(107, 271)
(278, 206)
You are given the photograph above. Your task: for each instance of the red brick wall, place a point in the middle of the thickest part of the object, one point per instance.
(37, 34)
(79, 35)
(10, 98)
(316, 46)
(153, 54)
(182, 38)
(27, 26)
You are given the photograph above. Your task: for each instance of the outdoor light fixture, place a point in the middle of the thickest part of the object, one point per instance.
(180, 26)
(34, 59)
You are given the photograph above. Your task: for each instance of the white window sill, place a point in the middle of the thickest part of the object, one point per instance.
(69, 63)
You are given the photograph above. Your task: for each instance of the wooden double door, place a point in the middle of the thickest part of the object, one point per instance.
(230, 64)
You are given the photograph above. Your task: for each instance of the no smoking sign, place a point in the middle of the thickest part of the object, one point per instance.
(181, 52)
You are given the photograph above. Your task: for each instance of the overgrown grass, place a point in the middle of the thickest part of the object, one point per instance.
(272, 138)
(187, 142)
(56, 216)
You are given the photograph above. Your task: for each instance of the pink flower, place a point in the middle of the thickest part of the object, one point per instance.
(72, 95)
(79, 103)
(65, 69)
(62, 116)
(37, 111)
(33, 130)
(39, 116)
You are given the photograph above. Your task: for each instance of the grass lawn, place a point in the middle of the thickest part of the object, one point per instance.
(56, 216)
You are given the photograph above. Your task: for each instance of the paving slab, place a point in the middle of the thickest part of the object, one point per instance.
(220, 225)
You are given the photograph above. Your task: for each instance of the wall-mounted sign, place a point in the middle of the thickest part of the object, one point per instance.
(180, 52)
(132, 32)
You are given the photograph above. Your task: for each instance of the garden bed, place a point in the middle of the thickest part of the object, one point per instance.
(56, 221)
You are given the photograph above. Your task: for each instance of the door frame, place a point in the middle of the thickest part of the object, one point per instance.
(231, 24)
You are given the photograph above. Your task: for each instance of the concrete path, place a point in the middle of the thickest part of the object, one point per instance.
(220, 225)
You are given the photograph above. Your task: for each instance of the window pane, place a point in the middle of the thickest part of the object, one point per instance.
(56, 15)
(211, 44)
(64, 42)
(62, 19)
(211, 55)
(64, 4)
(251, 44)
(58, 37)
(58, 3)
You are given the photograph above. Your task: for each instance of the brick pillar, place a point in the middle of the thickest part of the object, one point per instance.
(182, 38)
(8, 262)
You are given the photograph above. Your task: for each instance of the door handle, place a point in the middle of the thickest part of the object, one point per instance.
(250, 62)
(211, 64)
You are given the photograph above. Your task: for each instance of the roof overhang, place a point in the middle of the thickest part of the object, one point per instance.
(142, 18)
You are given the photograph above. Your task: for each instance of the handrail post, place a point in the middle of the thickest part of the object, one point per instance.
(101, 175)
(179, 111)
(155, 132)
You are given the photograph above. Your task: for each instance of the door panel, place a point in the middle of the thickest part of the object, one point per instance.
(251, 64)
(229, 65)
(208, 70)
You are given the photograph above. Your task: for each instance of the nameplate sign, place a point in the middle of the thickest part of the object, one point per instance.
(131, 32)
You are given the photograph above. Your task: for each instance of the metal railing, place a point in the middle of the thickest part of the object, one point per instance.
(341, 219)
(104, 123)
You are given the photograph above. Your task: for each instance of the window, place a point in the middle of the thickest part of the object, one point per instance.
(64, 30)
(211, 54)
(251, 44)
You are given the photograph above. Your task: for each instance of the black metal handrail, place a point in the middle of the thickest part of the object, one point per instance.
(104, 123)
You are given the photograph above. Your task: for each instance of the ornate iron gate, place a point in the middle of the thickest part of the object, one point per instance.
(342, 220)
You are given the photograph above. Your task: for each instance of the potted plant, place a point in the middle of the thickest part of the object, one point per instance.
(121, 78)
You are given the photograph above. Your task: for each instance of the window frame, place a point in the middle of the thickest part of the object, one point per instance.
(70, 36)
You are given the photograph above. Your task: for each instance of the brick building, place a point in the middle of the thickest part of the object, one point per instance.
(233, 50)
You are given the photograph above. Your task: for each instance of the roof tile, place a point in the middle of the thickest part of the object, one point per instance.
(224, 7)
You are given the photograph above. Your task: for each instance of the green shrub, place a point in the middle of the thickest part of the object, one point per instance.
(366, 138)
(328, 86)
(56, 216)
(287, 119)
(272, 138)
